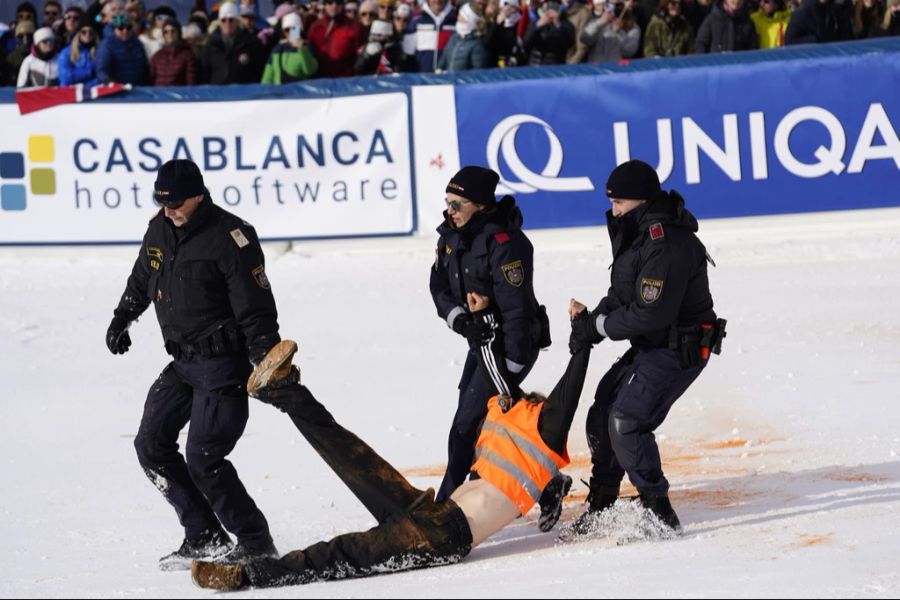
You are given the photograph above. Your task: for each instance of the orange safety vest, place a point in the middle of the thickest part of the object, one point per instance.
(511, 455)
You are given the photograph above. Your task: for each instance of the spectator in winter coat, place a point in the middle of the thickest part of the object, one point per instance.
(579, 14)
(548, 40)
(335, 40)
(611, 36)
(231, 55)
(501, 38)
(465, 50)
(771, 22)
(429, 33)
(728, 28)
(291, 60)
(121, 57)
(669, 33)
(868, 16)
(71, 23)
(174, 63)
(819, 21)
(52, 13)
(12, 61)
(77, 62)
(39, 68)
(891, 23)
(383, 54)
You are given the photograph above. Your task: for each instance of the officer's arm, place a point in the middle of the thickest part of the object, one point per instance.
(249, 292)
(512, 266)
(135, 299)
(490, 357)
(447, 307)
(660, 289)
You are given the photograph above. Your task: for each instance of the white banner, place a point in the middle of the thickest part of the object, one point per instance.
(292, 168)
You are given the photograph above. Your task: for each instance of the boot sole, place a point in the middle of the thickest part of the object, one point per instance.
(282, 353)
(217, 576)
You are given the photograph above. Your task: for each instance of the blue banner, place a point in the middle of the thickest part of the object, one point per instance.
(764, 137)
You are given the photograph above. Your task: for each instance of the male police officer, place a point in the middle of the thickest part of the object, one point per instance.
(482, 249)
(660, 301)
(204, 271)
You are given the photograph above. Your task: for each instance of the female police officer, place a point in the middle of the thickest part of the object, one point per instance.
(482, 249)
(660, 301)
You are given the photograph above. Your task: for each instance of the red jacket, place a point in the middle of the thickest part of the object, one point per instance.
(335, 44)
(174, 66)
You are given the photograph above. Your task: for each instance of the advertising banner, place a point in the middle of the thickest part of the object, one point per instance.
(762, 137)
(293, 168)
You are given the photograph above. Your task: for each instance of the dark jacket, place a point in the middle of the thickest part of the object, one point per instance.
(174, 65)
(205, 277)
(504, 43)
(391, 59)
(814, 23)
(658, 275)
(491, 256)
(121, 62)
(240, 62)
(548, 44)
(722, 32)
(668, 36)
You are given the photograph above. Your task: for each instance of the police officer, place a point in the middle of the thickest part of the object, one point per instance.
(204, 271)
(659, 300)
(482, 249)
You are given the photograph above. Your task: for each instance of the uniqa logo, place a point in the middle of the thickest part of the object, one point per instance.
(13, 196)
(503, 140)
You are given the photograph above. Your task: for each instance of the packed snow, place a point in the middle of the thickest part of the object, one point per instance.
(783, 457)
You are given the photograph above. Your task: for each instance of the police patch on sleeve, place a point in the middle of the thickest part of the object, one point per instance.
(651, 290)
(513, 273)
(259, 275)
(156, 257)
(239, 238)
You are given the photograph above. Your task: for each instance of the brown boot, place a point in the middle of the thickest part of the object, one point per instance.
(217, 576)
(276, 365)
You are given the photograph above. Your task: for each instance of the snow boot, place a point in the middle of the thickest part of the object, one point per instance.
(244, 553)
(224, 577)
(210, 545)
(662, 508)
(599, 499)
(552, 501)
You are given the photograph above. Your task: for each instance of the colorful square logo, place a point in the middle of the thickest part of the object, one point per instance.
(41, 179)
(12, 165)
(12, 197)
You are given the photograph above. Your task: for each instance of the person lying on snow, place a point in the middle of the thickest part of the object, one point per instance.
(522, 445)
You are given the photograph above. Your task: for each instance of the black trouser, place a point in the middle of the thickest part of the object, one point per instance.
(474, 393)
(632, 400)
(413, 530)
(205, 489)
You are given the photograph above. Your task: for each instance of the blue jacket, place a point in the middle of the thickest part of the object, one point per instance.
(83, 71)
(490, 255)
(121, 62)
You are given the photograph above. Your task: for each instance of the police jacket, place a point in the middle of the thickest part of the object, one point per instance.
(659, 274)
(490, 255)
(205, 278)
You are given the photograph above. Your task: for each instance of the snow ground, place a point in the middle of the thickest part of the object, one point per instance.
(783, 456)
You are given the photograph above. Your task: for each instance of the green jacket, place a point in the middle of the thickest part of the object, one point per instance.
(665, 39)
(287, 64)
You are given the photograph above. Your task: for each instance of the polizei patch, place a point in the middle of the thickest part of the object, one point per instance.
(259, 274)
(651, 290)
(514, 273)
(239, 238)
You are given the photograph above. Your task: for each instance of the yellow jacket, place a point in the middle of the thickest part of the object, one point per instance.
(771, 29)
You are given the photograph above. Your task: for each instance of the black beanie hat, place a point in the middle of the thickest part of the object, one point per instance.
(476, 184)
(178, 180)
(633, 180)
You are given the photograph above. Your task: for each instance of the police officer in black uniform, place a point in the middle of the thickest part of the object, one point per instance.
(660, 301)
(482, 249)
(204, 271)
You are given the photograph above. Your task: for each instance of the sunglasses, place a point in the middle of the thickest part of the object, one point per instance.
(227, 20)
(86, 32)
(71, 17)
(367, 14)
(169, 30)
(350, 11)
(122, 27)
(50, 41)
(51, 13)
(456, 204)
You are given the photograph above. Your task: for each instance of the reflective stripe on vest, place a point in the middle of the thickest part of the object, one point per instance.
(512, 470)
(525, 446)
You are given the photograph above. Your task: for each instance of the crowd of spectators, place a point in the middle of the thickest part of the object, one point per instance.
(122, 41)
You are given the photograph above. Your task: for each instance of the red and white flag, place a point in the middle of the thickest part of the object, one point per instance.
(31, 100)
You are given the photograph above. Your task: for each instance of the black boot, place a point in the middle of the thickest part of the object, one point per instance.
(662, 508)
(599, 499)
(209, 545)
(552, 501)
(245, 553)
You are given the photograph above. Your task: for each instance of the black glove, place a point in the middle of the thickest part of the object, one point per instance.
(584, 332)
(474, 327)
(117, 339)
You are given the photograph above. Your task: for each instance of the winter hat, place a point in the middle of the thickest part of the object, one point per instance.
(469, 21)
(633, 180)
(291, 19)
(476, 184)
(178, 180)
(162, 9)
(190, 32)
(120, 20)
(402, 10)
(382, 28)
(248, 11)
(42, 34)
(229, 10)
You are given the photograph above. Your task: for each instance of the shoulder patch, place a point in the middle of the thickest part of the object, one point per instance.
(657, 232)
(259, 275)
(651, 289)
(447, 249)
(501, 237)
(239, 238)
(514, 273)
(156, 257)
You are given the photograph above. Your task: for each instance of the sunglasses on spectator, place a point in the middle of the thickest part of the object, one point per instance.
(160, 17)
(122, 27)
(72, 17)
(367, 14)
(87, 31)
(456, 204)
(169, 30)
(51, 13)
(350, 10)
(227, 20)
